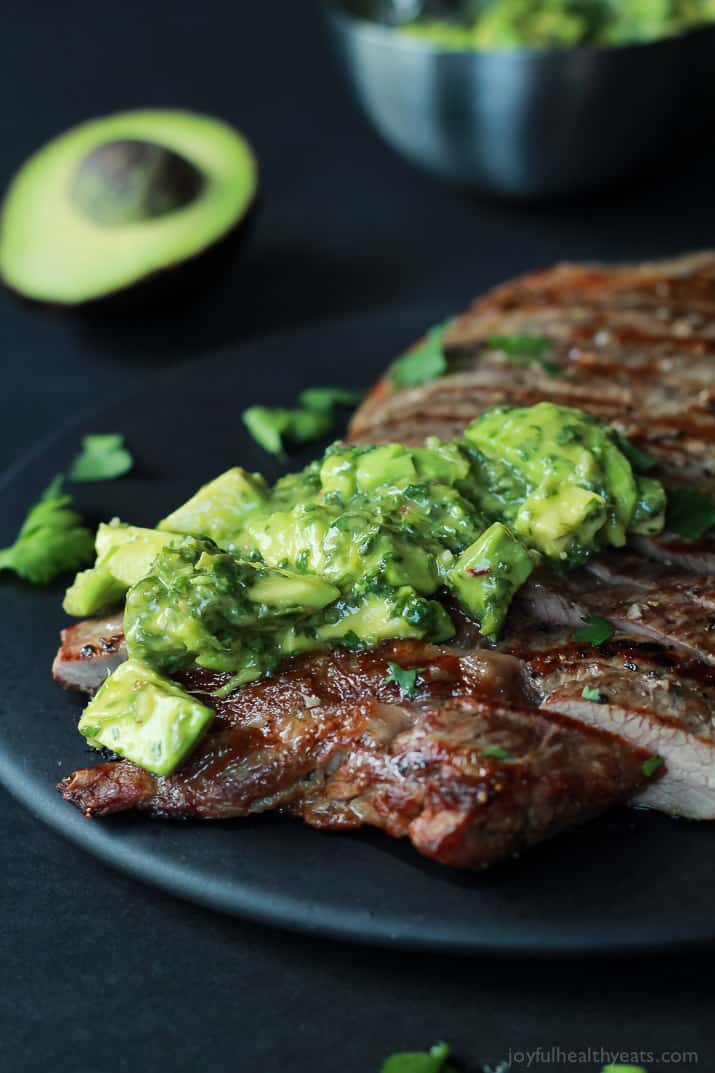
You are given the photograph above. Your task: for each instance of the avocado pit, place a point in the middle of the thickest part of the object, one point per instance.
(129, 181)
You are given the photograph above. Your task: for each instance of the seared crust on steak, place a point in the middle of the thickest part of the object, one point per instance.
(89, 651)
(423, 769)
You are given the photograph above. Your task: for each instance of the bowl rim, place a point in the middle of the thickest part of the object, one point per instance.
(336, 9)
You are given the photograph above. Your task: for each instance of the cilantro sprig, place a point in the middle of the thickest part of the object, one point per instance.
(273, 426)
(102, 458)
(496, 752)
(527, 350)
(595, 631)
(404, 678)
(651, 765)
(689, 513)
(432, 1061)
(591, 693)
(51, 541)
(325, 399)
(425, 361)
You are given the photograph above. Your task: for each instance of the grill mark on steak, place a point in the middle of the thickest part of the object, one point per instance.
(413, 769)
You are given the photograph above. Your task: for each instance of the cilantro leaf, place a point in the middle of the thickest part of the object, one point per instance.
(270, 426)
(102, 458)
(526, 350)
(497, 752)
(324, 399)
(534, 346)
(689, 513)
(425, 361)
(651, 765)
(404, 678)
(639, 460)
(411, 1062)
(595, 631)
(51, 540)
(591, 693)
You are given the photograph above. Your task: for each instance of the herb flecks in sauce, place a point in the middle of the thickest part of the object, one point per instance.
(357, 548)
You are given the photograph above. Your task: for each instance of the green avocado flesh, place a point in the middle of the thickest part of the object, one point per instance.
(145, 718)
(116, 200)
(361, 545)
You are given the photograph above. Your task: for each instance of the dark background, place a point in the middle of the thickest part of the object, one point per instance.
(97, 972)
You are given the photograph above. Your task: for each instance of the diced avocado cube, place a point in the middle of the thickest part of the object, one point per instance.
(553, 523)
(438, 461)
(293, 592)
(146, 718)
(379, 618)
(337, 474)
(125, 554)
(220, 507)
(384, 465)
(93, 591)
(128, 551)
(487, 574)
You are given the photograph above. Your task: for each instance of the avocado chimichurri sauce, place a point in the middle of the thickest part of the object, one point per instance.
(353, 550)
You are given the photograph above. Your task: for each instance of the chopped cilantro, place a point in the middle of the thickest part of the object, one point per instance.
(404, 678)
(52, 540)
(526, 350)
(270, 426)
(639, 460)
(433, 1061)
(496, 752)
(591, 693)
(324, 399)
(651, 765)
(426, 360)
(102, 458)
(689, 513)
(595, 631)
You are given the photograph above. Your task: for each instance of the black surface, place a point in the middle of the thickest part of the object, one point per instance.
(101, 973)
(274, 870)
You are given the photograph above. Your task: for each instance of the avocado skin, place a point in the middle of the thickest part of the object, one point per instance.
(159, 289)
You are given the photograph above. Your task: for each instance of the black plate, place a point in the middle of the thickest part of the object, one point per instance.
(630, 881)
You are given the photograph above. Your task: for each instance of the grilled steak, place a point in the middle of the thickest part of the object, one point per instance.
(330, 741)
(634, 346)
(468, 776)
(89, 651)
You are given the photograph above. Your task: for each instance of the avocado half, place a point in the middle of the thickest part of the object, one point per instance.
(117, 200)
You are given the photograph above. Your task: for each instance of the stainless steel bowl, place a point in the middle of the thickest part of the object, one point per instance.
(527, 123)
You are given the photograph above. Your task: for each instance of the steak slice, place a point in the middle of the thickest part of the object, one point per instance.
(468, 777)
(648, 694)
(641, 599)
(632, 345)
(89, 651)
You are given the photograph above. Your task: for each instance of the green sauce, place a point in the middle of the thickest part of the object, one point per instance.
(360, 546)
(513, 24)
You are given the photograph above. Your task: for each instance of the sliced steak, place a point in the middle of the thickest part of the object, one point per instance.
(647, 694)
(468, 779)
(89, 651)
(649, 602)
